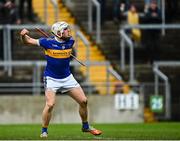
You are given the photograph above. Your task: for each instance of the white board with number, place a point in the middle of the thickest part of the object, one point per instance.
(127, 101)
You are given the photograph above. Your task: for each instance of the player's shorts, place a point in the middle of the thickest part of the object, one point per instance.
(62, 85)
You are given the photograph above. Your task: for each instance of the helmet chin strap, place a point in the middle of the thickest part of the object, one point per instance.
(61, 37)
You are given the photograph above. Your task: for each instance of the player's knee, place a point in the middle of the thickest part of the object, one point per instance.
(50, 106)
(84, 102)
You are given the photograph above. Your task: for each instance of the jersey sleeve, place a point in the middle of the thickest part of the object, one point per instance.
(43, 42)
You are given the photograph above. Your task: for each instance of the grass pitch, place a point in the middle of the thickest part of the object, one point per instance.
(153, 131)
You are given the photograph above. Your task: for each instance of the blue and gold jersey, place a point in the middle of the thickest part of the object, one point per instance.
(58, 57)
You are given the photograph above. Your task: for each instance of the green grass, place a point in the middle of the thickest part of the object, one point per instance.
(154, 131)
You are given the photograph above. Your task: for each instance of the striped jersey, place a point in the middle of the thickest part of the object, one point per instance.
(57, 54)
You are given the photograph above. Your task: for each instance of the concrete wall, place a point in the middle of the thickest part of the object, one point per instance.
(28, 109)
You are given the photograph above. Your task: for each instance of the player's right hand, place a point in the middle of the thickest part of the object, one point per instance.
(24, 32)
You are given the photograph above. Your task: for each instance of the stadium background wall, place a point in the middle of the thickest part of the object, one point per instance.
(28, 109)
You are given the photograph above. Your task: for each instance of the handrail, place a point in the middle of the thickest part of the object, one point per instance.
(98, 18)
(161, 75)
(36, 71)
(7, 40)
(7, 46)
(7, 43)
(158, 74)
(56, 10)
(152, 26)
(114, 73)
(167, 63)
(29, 26)
(163, 15)
(45, 11)
(87, 45)
(127, 39)
(36, 81)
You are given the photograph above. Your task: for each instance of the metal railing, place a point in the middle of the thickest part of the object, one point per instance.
(115, 74)
(131, 47)
(80, 35)
(163, 10)
(37, 74)
(98, 18)
(7, 47)
(9, 63)
(125, 39)
(159, 74)
(56, 10)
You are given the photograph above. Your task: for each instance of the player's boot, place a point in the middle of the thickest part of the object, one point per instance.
(44, 135)
(92, 131)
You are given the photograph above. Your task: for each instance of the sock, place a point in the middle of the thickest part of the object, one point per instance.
(85, 125)
(44, 129)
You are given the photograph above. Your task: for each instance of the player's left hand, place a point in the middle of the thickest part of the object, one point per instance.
(24, 32)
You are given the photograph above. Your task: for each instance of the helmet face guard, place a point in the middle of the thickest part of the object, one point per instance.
(58, 29)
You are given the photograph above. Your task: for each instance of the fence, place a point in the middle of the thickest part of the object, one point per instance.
(160, 74)
(8, 50)
(125, 39)
(7, 47)
(36, 85)
(98, 18)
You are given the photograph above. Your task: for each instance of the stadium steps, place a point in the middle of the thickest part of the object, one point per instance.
(149, 116)
(97, 74)
(64, 15)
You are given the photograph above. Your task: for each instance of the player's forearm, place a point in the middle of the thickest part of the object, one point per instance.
(28, 40)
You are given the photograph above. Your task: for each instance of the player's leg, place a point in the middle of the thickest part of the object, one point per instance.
(47, 112)
(78, 95)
